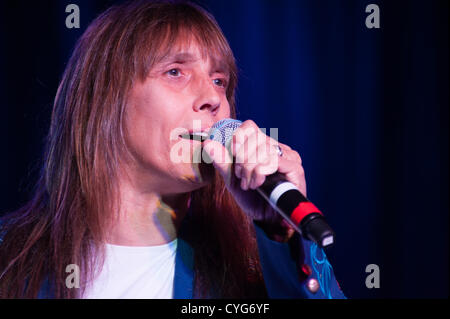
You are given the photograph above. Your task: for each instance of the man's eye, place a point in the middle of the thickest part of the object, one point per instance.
(220, 82)
(173, 72)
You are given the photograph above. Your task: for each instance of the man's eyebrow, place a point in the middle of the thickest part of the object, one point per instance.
(177, 57)
(185, 57)
(221, 67)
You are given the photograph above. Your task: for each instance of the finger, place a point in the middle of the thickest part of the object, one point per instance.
(244, 146)
(255, 155)
(246, 175)
(293, 172)
(262, 170)
(247, 134)
(289, 153)
(286, 166)
(268, 167)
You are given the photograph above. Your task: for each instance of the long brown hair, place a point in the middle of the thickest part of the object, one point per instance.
(66, 219)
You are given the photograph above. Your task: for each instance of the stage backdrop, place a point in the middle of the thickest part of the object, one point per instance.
(367, 109)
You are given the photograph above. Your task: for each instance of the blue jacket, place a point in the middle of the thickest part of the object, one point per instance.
(298, 269)
(283, 266)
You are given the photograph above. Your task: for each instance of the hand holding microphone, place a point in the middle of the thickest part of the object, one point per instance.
(261, 173)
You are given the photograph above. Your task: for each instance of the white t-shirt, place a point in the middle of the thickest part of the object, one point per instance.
(135, 272)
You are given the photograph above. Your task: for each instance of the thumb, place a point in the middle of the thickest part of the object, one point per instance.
(219, 157)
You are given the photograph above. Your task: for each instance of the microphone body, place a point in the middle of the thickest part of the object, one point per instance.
(283, 196)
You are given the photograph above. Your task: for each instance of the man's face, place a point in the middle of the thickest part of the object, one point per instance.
(182, 91)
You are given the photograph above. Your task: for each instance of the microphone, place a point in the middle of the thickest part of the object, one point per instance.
(282, 195)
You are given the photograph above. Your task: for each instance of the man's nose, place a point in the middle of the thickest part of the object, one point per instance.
(208, 98)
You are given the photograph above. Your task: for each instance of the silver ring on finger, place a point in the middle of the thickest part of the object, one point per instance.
(279, 150)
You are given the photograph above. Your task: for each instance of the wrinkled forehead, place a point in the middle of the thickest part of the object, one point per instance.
(186, 46)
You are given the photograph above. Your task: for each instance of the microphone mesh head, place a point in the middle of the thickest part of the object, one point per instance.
(222, 131)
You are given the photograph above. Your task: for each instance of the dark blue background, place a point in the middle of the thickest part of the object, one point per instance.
(367, 109)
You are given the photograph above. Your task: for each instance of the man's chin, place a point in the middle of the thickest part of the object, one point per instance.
(199, 175)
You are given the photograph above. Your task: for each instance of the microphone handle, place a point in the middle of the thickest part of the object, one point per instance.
(296, 209)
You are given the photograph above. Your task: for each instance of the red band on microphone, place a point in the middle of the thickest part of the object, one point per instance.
(303, 209)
